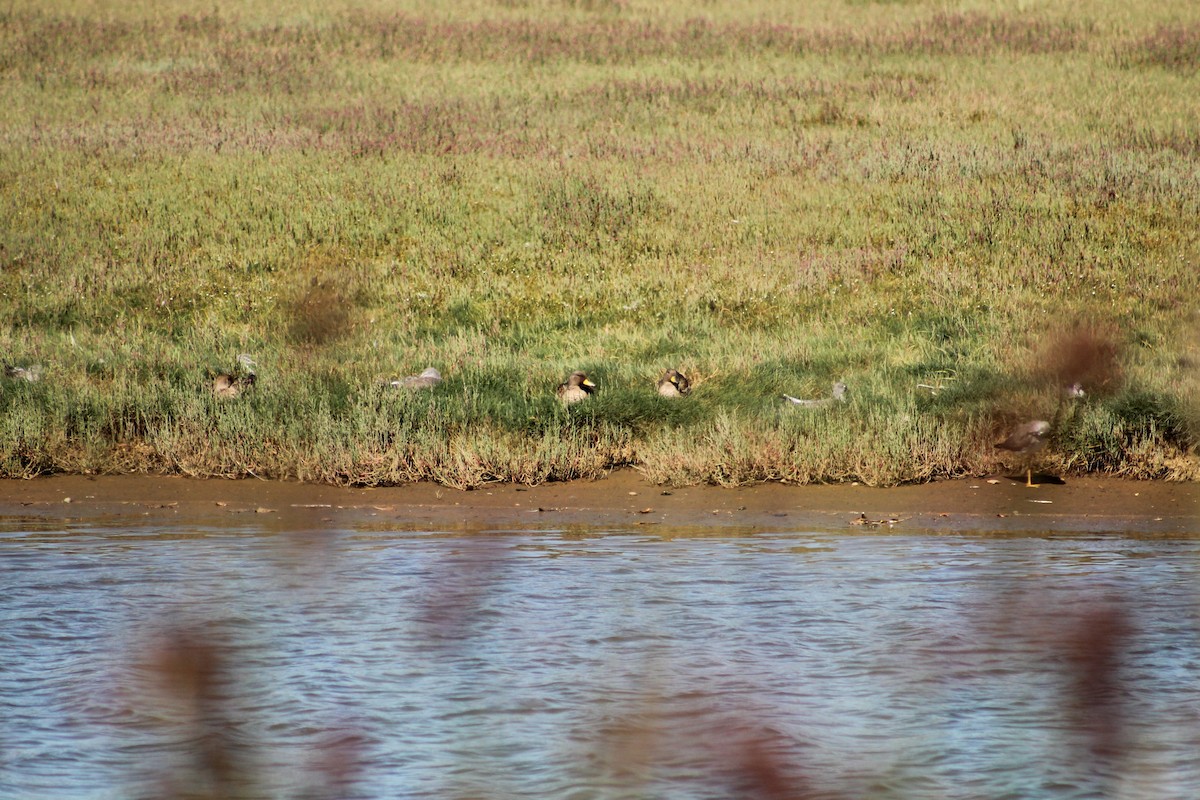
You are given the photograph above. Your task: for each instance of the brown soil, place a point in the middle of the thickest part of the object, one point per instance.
(623, 501)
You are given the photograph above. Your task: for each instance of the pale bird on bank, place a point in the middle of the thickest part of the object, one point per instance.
(576, 388)
(1027, 439)
(428, 379)
(839, 396)
(232, 384)
(673, 384)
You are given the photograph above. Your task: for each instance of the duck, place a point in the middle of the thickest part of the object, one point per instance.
(1027, 439)
(673, 384)
(577, 387)
(428, 379)
(838, 396)
(232, 384)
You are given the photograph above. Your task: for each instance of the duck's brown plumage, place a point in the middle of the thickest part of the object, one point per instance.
(576, 388)
(226, 385)
(673, 384)
(231, 384)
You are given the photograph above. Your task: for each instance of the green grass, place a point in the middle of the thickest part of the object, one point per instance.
(768, 198)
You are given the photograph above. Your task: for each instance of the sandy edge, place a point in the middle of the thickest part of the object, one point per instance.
(623, 501)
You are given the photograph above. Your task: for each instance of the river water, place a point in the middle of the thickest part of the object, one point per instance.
(165, 662)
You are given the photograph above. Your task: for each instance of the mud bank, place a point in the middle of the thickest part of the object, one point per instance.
(623, 501)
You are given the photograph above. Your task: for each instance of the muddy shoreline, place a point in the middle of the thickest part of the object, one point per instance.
(623, 501)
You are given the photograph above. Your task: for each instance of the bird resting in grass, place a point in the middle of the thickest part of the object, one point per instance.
(231, 384)
(428, 379)
(576, 388)
(673, 384)
(30, 374)
(839, 396)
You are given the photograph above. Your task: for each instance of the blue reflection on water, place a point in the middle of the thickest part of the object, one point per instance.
(589, 664)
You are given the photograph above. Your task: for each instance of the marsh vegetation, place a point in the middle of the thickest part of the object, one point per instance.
(952, 212)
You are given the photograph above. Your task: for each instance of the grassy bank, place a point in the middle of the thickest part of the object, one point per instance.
(986, 201)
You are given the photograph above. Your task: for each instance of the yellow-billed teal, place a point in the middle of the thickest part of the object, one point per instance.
(231, 384)
(673, 384)
(576, 388)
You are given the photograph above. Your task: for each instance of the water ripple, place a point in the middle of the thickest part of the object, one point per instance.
(559, 666)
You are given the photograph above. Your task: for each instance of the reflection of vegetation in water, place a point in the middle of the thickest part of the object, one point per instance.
(880, 193)
(198, 692)
(197, 681)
